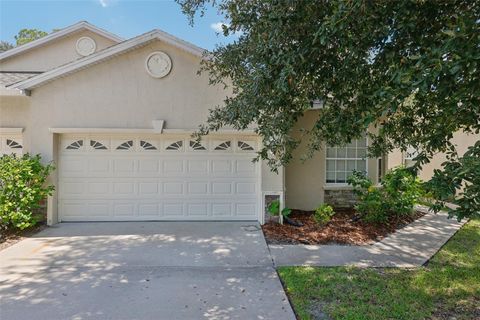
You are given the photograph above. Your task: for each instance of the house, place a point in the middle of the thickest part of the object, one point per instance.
(116, 116)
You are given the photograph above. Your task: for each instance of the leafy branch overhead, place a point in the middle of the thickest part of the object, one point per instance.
(408, 68)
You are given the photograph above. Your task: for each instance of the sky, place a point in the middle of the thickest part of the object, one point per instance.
(125, 18)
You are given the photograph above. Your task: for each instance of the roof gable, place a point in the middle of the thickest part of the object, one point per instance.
(106, 54)
(83, 25)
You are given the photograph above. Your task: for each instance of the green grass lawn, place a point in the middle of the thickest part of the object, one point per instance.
(448, 288)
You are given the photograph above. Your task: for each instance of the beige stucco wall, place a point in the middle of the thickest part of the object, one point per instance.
(52, 54)
(119, 93)
(460, 139)
(305, 180)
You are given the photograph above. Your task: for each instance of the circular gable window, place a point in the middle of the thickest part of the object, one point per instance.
(85, 46)
(158, 64)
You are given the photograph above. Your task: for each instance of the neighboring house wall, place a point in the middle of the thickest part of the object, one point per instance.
(52, 54)
(460, 139)
(305, 181)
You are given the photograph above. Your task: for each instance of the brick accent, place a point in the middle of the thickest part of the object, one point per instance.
(340, 198)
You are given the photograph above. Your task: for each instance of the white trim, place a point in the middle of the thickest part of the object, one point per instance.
(344, 184)
(107, 53)
(11, 130)
(145, 130)
(58, 34)
(4, 92)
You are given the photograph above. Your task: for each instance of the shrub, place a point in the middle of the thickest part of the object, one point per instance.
(22, 187)
(323, 214)
(400, 189)
(274, 209)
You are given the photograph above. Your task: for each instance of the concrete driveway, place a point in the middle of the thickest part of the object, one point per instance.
(142, 270)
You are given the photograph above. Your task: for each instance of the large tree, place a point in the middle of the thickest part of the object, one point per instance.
(410, 68)
(5, 45)
(27, 35)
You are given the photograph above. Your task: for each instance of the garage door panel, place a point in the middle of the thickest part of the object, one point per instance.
(173, 167)
(99, 166)
(149, 210)
(197, 209)
(173, 209)
(123, 209)
(148, 188)
(148, 183)
(196, 188)
(197, 166)
(221, 210)
(221, 188)
(173, 188)
(149, 166)
(123, 166)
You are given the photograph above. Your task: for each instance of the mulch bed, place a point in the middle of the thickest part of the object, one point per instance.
(340, 230)
(10, 237)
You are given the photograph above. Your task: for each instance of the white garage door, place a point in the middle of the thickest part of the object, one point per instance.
(111, 178)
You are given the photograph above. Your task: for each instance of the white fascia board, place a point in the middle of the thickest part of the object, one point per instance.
(143, 130)
(4, 92)
(58, 34)
(11, 130)
(105, 54)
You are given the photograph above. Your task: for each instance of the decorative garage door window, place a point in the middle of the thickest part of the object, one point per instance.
(147, 145)
(11, 144)
(196, 146)
(342, 161)
(126, 145)
(97, 145)
(245, 146)
(223, 146)
(161, 144)
(177, 145)
(14, 144)
(75, 145)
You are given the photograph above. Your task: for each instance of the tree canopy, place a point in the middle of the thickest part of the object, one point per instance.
(409, 68)
(5, 45)
(27, 35)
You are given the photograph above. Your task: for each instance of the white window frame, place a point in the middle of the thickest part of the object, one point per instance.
(329, 184)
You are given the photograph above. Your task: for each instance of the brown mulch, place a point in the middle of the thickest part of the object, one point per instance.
(10, 237)
(340, 230)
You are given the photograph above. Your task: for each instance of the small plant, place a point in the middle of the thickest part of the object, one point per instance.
(22, 188)
(274, 209)
(323, 214)
(400, 189)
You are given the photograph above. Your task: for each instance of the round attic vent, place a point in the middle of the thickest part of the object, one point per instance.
(158, 64)
(85, 46)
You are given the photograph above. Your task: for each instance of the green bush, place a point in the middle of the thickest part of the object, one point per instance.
(274, 209)
(323, 214)
(22, 188)
(399, 191)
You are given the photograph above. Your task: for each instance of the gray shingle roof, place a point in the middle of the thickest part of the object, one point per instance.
(7, 78)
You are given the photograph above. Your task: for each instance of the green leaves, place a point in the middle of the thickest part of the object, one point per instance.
(400, 190)
(410, 68)
(22, 188)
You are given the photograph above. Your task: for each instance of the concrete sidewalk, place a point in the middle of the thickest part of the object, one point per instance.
(411, 246)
